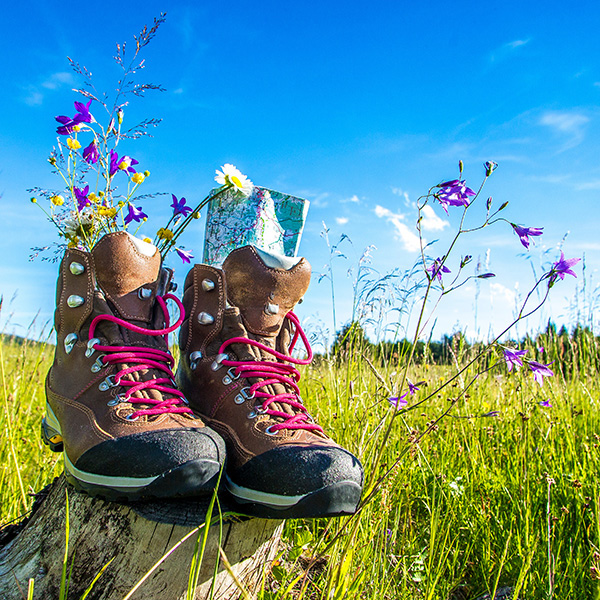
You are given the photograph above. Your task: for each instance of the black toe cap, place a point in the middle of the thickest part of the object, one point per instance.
(293, 470)
(151, 453)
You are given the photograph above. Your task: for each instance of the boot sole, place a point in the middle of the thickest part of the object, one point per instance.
(334, 500)
(194, 478)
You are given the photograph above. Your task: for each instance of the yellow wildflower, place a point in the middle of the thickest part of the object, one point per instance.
(107, 211)
(57, 200)
(138, 177)
(164, 234)
(92, 197)
(73, 144)
(146, 173)
(34, 200)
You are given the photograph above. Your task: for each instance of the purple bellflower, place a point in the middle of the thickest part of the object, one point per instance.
(185, 255)
(135, 214)
(563, 267)
(125, 163)
(399, 403)
(81, 196)
(179, 207)
(513, 358)
(91, 154)
(540, 371)
(545, 403)
(436, 269)
(83, 116)
(525, 232)
(454, 193)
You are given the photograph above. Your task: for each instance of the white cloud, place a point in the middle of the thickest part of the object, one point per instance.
(409, 239)
(354, 199)
(341, 220)
(570, 123)
(178, 91)
(501, 292)
(35, 93)
(507, 50)
(59, 79)
(400, 192)
(430, 221)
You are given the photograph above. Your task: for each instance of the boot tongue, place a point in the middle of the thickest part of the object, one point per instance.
(127, 271)
(265, 287)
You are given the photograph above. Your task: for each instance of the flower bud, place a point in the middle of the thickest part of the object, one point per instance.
(146, 173)
(490, 167)
(465, 261)
(52, 160)
(34, 200)
(489, 203)
(196, 215)
(503, 206)
(460, 166)
(120, 116)
(486, 275)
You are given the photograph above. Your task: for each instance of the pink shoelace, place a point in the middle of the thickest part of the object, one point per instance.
(276, 372)
(142, 359)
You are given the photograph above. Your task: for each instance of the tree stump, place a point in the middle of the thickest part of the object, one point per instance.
(135, 536)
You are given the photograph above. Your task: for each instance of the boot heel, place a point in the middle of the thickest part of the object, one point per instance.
(51, 437)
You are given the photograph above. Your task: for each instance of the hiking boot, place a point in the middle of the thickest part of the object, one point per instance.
(112, 404)
(238, 372)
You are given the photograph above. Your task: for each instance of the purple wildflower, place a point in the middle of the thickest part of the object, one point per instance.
(525, 232)
(454, 193)
(563, 267)
(540, 349)
(399, 403)
(513, 358)
(91, 154)
(437, 268)
(135, 214)
(125, 163)
(413, 387)
(83, 116)
(179, 207)
(185, 255)
(545, 403)
(83, 112)
(81, 195)
(540, 371)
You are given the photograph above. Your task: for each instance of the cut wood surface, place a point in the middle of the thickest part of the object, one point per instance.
(135, 536)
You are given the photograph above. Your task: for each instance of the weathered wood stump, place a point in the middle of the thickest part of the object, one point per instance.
(135, 536)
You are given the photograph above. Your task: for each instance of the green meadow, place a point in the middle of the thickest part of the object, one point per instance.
(475, 489)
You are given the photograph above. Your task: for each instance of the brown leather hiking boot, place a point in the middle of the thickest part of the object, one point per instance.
(112, 405)
(238, 372)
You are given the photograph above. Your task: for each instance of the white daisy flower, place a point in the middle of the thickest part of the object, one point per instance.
(232, 176)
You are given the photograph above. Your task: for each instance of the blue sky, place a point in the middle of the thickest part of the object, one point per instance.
(358, 108)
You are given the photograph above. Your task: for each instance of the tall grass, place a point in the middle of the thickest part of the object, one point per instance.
(477, 503)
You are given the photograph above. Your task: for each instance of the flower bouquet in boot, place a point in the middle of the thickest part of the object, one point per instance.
(113, 407)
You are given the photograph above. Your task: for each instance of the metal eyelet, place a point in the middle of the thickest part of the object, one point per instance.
(70, 341)
(194, 358)
(74, 301)
(205, 319)
(144, 293)
(90, 347)
(117, 400)
(108, 383)
(76, 268)
(98, 365)
(269, 430)
(216, 365)
(208, 285)
(271, 308)
(130, 418)
(231, 376)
